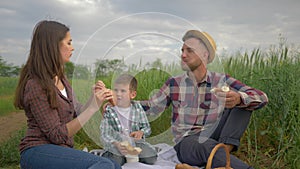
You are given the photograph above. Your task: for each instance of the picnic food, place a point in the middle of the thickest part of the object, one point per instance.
(131, 150)
(223, 88)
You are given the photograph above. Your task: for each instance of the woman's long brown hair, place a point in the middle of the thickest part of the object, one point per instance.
(44, 61)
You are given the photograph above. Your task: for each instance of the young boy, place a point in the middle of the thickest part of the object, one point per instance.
(127, 118)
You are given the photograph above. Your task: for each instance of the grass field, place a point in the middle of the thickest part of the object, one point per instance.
(272, 139)
(7, 89)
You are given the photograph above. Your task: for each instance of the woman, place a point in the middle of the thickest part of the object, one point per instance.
(54, 116)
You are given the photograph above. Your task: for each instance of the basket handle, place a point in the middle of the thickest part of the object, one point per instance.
(214, 150)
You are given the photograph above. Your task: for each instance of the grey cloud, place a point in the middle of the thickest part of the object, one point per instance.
(232, 23)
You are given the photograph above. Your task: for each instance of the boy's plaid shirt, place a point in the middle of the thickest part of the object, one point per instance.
(111, 128)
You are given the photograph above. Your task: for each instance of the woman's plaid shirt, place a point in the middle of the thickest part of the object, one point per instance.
(46, 125)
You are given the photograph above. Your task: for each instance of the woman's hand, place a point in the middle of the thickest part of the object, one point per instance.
(99, 85)
(101, 96)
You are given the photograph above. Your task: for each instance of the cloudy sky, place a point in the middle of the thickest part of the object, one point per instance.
(141, 29)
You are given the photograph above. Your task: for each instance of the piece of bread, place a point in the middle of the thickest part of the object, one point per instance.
(139, 150)
(131, 150)
(223, 89)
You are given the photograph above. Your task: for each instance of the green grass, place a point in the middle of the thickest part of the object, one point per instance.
(272, 139)
(9, 154)
(7, 89)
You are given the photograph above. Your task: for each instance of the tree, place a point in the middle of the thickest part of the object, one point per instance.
(107, 67)
(77, 71)
(157, 63)
(8, 70)
(82, 71)
(69, 69)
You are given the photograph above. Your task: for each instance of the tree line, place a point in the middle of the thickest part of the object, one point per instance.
(8, 69)
(102, 68)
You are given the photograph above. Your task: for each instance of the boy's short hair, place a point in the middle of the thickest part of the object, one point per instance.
(127, 79)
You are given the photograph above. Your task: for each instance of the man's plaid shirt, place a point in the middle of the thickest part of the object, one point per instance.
(195, 107)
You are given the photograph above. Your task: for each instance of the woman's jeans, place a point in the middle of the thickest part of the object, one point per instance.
(49, 156)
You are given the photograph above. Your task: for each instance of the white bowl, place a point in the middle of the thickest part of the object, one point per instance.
(132, 158)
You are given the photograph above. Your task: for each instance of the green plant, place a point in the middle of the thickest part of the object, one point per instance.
(7, 89)
(272, 138)
(9, 154)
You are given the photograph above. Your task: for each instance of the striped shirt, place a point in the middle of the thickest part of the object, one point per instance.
(195, 107)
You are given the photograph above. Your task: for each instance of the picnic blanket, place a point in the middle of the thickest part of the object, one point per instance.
(167, 158)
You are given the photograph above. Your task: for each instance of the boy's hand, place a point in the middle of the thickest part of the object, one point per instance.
(122, 148)
(137, 135)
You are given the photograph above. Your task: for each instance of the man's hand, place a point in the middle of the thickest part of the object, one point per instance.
(231, 97)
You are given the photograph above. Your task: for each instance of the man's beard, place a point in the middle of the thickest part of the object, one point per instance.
(186, 67)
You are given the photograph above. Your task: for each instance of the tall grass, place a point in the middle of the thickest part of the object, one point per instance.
(7, 89)
(9, 151)
(272, 139)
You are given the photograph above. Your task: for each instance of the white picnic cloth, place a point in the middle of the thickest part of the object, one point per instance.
(167, 158)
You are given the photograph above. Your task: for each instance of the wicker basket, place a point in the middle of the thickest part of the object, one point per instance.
(210, 158)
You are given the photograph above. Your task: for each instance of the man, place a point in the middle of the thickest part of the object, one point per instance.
(207, 107)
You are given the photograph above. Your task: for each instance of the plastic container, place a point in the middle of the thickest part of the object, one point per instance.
(132, 158)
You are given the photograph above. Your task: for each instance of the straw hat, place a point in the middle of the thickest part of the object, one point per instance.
(206, 39)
